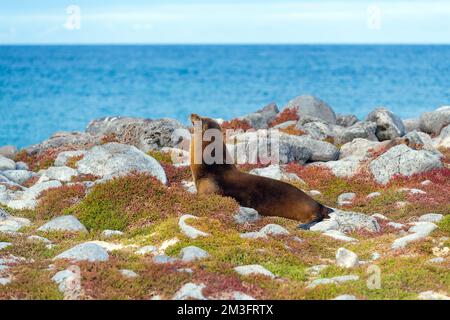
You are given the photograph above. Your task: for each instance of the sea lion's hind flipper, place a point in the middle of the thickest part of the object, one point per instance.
(322, 214)
(307, 226)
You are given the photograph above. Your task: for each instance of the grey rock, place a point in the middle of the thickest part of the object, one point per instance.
(316, 270)
(20, 165)
(3, 268)
(77, 140)
(338, 235)
(346, 278)
(379, 216)
(274, 171)
(128, 273)
(314, 193)
(362, 129)
(253, 269)
(325, 225)
(63, 278)
(111, 233)
(312, 106)
(193, 253)
(187, 270)
(437, 260)
(424, 228)
(190, 291)
(5, 182)
(432, 295)
(375, 256)
(389, 126)
(63, 223)
(246, 215)
(431, 217)
(344, 168)
(85, 251)
(274, 230)
(189, 186)
(345, 297)
(320, 282)
(11, 259)
(236, 295)
(261, 118)
(147, 249)
(307, 119)
(351, 221)
(443, 140)
(395, 225)
(267, 230)
(373, 195)
(4, 215)
(63, 157)
(33, 192)
(411, 124)
(346, 198)
(419, 231)
(189, 231)
(317, 130)
(13, 224)
(285, 124)
(334, 280)
(404, 161)
(114, 159)
(287, 147)
(359, 148)
(9, 152)
(18, 176)
(63, 174)
(6, 164)
(418, 140)
(346, 120)
(144, 134)
(346, 258)
(253, 235)
(433, 122)
(4, 245)
(163, 259)
(290, 150)
(412, 190)
(22, 204)
(320, 150)
(5, 281)
(38, 239)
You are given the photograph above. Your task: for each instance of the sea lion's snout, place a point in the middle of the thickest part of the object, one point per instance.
(195, 117)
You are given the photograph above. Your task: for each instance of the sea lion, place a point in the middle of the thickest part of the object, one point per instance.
(269, 197)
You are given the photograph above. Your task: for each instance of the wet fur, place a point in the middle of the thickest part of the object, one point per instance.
(268, 196)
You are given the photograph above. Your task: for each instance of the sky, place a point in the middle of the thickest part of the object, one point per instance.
(224, 22)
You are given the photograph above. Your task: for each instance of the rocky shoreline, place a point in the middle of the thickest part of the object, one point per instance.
(108, 210)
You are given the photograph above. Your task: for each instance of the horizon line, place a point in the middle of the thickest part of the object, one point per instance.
(231, 44)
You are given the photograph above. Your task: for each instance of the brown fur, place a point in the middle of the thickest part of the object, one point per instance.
(268, 196)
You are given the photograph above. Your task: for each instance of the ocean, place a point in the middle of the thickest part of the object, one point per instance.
(44, 89)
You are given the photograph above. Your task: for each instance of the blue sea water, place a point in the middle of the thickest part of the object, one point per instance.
(44, 89)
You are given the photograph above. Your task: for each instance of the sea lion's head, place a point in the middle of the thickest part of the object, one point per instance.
(207, 123)
(207, 141)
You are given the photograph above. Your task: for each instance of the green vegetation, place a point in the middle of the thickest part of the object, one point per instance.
(149, 213)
